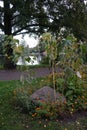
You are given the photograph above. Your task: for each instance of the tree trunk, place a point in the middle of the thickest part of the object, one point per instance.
(8, 59)
(53, 74)
(8, 62)
(7, 18)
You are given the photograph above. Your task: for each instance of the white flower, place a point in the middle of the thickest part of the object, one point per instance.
(78, 74)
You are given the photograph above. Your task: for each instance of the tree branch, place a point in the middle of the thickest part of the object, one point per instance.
(27, 27)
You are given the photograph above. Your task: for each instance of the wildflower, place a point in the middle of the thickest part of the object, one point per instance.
(77, 123)
(71, 112)
(27, 126)
(33, 115)
(72, 109)
(78, 74)
(39, 122)
(38, 108)
(75, 102)
(8, 57)
(82, 96)
(45, 126)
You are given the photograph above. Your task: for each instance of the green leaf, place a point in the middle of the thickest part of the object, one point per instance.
(28, 59)
(70, 92)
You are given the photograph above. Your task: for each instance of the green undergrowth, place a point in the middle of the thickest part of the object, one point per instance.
(12, 118)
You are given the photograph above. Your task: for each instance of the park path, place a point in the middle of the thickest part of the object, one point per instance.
(6, 75)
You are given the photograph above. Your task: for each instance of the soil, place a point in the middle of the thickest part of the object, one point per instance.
(74, 117)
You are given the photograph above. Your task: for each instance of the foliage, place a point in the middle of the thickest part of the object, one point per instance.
(11, 51)
(8, 51)
(75, 17)
(1, 49)
(75, 93)
(37, 110)
(36, 17)
(23, 17)
(44, 61)
(51, 110)
(70, 81)
(11, 116)
(41, 16)
(51, 51)
(84, 52)
(2, 37)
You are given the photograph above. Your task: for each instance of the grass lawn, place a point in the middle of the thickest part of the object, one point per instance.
(11, 117)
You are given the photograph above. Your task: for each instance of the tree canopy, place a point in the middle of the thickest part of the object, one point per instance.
(22, 16)
(38, 16)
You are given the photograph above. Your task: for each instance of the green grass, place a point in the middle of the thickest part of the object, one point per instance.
(11, 117)
(1, 67)
(27, 67)
(22, 67)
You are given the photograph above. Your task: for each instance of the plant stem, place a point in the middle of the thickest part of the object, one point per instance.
(53, 73)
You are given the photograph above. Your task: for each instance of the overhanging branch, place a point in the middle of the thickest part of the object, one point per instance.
(28, 26)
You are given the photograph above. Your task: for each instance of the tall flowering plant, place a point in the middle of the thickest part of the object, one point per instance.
(51, 51)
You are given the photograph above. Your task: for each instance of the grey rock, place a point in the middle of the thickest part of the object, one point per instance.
(46, 94)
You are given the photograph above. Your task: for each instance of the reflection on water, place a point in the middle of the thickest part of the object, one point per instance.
(33, 61)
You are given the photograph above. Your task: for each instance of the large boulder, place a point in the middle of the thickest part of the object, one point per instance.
(47, 94)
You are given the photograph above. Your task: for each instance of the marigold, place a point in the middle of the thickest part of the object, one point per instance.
(38, 108)
(86, 103)
(45, 126)
(33, 115)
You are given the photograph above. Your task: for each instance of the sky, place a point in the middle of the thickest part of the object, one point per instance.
(31, 41)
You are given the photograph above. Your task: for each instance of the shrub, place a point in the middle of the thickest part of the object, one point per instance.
(71, 82)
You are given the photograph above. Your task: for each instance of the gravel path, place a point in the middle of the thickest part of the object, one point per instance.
(15, 74)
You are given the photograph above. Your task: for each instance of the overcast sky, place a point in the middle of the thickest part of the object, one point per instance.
(31, 41)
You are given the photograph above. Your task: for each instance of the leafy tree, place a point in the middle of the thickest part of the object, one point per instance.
(71, 14)
(21, 17)
(38, 16)
(76, 18)
(8, 51)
